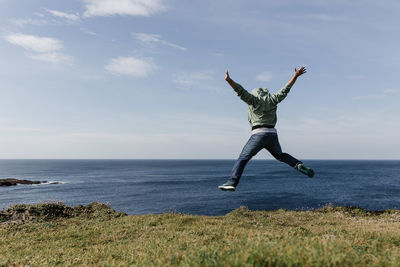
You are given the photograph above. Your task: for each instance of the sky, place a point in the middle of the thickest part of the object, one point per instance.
(144, 79)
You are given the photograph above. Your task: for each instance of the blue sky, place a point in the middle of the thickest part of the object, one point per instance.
(145, 78)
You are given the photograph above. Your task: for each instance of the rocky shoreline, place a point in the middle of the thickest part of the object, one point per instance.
(13, 181)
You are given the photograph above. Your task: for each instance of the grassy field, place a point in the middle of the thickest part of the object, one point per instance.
(95, 235)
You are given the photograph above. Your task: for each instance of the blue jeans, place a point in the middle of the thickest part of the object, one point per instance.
(258, 141)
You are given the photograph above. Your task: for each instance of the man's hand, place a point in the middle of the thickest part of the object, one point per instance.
(227, 76)
(229, 80)
(298, 72)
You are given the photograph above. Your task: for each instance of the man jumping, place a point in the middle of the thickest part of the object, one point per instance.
(262, 118)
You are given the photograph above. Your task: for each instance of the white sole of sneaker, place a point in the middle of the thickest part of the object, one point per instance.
(227, 187)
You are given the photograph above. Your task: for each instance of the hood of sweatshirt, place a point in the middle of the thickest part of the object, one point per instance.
(260, 92)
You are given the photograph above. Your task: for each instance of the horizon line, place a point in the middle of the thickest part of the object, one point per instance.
(393, 159)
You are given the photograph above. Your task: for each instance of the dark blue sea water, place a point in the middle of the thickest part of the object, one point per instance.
(190, 186)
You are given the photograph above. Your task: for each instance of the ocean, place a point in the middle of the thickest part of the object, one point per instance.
(190, 186)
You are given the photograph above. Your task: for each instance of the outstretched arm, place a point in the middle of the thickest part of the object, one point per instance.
(282, 93)
(242, 93)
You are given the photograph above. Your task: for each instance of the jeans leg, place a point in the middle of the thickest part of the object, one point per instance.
(252, 147)
(275, 149)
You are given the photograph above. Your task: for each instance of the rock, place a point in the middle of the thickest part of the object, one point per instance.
(13, 181)
(6, 183)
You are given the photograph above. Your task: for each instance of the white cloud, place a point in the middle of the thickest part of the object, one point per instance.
(322, 17)
(264, 76)
(44, 48)
(390, 91)
(218, 54)
(85, 30)
(178, 136)
(149, 39)
(38, 14)
(35, 43)
(52, 57)
(381, 95)
(130, 66)
(347, 136)
(63, 15)
(24, 22)
(192, 78)
(122, 7)
(325, 17)
(366, 97)
(202, 80)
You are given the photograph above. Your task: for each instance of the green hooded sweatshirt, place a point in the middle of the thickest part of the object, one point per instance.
(261, 104)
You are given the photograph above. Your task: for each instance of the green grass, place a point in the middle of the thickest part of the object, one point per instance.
(98, 236)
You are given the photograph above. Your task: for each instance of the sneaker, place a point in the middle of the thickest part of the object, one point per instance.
(305, 170)
(228, 186)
